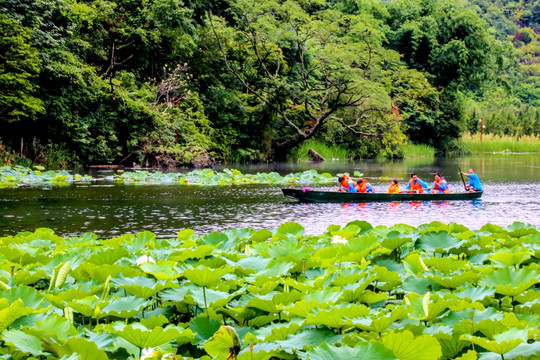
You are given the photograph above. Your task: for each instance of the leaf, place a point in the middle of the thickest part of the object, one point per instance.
(204, 276)
(364, 351)
(60, 275)
(23, 342)
(125, 307)
(437, 241)
(406, 347)
(85, 349)
(511, 282)
(12, 313)
(138, 335)
(225, 342)
(292, 228)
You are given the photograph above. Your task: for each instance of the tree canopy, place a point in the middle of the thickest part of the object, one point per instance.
(170, 82)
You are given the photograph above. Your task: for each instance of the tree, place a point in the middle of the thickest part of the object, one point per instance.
(301, 70)
(19, 68)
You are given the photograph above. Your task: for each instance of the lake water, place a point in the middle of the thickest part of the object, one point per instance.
(511, 188)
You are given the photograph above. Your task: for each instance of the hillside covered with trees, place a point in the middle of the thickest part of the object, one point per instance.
(170, 82)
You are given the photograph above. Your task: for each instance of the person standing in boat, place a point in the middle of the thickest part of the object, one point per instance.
(363, 186)
(416, 185)
(439, 185)
(394, 187)
(346, 184)
(474, 181)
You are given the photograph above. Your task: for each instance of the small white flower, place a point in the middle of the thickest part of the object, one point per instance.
(145, 259)
(339, 240)
(148, 353)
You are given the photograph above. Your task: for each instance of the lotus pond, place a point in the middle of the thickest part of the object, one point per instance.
(436, 291)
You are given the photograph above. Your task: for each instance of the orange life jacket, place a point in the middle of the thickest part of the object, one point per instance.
(415, 186)
(362, 187)
(345, 183)
(393, 189)
(437, 186)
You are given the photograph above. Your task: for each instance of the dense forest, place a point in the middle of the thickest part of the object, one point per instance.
(171, 82)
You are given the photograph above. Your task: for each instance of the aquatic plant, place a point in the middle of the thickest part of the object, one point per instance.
(399, 292)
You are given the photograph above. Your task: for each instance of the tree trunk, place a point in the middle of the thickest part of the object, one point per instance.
(315, 156)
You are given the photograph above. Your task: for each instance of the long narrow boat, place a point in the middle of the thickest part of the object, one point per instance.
(305, 195)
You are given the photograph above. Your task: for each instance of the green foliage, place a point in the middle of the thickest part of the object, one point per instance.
(20, 105)
(293, 295)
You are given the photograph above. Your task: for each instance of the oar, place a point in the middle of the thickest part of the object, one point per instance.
(462, 179)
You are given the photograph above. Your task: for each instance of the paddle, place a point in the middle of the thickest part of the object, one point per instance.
(462, 179)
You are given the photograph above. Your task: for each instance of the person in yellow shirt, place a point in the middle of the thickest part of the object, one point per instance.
(394, 187)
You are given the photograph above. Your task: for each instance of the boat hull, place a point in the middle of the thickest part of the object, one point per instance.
(344, 197)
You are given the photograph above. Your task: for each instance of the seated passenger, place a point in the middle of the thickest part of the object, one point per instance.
(346, 184)
(416, 185)
(362, 186)
(439, 185)
(394, 187)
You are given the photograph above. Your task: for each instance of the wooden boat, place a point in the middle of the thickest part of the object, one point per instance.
(345, 197)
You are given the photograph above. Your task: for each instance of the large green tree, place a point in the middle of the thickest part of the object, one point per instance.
(302, 66)
(19, 68)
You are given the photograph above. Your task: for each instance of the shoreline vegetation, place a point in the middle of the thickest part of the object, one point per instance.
(436, 291)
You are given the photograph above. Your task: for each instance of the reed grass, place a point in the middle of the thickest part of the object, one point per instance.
(496, 143)
(418, 151)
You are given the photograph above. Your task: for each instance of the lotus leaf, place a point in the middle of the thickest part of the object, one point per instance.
(414, 264)
(140, 336)
(109, 256)
(511, 257)
(306, 339)
(324, 296)
(140, 286)
(57, 326)
(274, 269)
(11, 313)
(406, 347)
(203, 328)
(393, 243)
(161, 271)
(204, 276)
(83, 349)
(360, 247)
(378, 324)
(511, 282)
(424, 308)
(277, 331)
(336, 317)
(446, 265)
(475, 293)
(501, 343)
(196, 252)
(290, 228)
(30, 297)
(270, 302)
(124, 308)
(440, 242)
(453, 281)
(26, 343)
(100, 273)
(365, 351)
(224, 342)
(522, 351)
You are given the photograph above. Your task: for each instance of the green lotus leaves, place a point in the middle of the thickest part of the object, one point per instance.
(439, 291)
(407, 347)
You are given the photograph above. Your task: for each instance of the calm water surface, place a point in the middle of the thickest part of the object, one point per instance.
(511, 183)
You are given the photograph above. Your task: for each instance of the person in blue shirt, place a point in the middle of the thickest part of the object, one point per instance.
(416, 185)
(346, 184)
(474, 181)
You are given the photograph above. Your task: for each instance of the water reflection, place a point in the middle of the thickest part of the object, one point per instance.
(511, 188)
